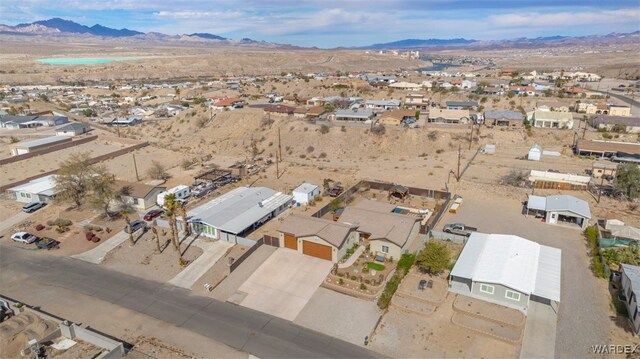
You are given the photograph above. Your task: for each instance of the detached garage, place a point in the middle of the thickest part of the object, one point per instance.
(317, 237)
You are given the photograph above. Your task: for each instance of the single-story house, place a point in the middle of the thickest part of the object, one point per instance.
(550, 119)
(315, 111)
(403, 85)
(317, 237)
(139, 195)
(228, 103)
(607, 148)
(619, 110)
(552, 106)
(21, 148)
(306, 193)
(397, 117)
(630, 281)
(300, 112)
(587, 107)
(41, 189)
(462, 105)
(73, 129)
(507, 270)
(388, 234)
(237, 212)
(449, 116)
(382, 104)
(611, 122)
(504, 118)
(602, 168)
(125, 121)
(354, 115)
(15, 122)
(282, 109)
(561, 209)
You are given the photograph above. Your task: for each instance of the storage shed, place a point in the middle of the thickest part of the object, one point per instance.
(535, 152)
(305, 193)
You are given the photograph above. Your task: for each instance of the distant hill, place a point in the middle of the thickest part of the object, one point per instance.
(68, 26)
(205, 35)
(408, 43)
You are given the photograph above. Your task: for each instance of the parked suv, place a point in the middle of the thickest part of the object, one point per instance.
(135, 225)
(33, 206)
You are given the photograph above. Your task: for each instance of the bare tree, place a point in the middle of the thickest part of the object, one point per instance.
(73, 180)
(157, 171)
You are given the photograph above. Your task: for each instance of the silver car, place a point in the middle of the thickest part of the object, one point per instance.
(24, 237)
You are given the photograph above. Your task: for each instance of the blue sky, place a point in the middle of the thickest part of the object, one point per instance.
(331, 23)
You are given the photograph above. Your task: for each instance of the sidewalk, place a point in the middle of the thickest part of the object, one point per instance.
(353, 258)
(96, 255)
(213, 251)
(539, 332)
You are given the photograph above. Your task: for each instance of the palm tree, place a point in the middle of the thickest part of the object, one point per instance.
(155, 234)
(125, 214)
(183, 214)
(172, 206)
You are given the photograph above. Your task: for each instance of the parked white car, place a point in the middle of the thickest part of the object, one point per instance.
(24, 237)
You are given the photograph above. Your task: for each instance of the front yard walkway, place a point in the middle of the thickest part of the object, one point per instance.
(354, 257)
(213, 251)
(99, 253)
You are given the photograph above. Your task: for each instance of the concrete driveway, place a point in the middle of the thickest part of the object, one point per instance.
(13, 220)
(340, 315)
(539, 332)
(283, 284)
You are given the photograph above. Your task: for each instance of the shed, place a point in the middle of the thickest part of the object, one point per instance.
(535, 152)
(305, 193)
(398, 191)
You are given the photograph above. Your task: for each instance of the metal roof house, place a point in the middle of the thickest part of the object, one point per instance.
(462, 105)
(237, 212)
(507, 270)
(561, 209)
(354, 115)
(41, 189)
(73, 129)
(22, 148)
(631, 290)
(504, 118)
(382, 104)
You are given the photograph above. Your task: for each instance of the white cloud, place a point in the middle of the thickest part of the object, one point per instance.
(563, 19)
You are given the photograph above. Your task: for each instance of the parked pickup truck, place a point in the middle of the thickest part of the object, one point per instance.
(47, 243)
(459, 228)
(336, 191)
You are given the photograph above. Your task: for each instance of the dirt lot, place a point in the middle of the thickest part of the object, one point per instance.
(143, 259)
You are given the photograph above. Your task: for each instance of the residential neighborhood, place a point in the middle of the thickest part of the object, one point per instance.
(197, 196)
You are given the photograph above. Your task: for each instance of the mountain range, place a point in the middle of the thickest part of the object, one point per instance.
(62, 27)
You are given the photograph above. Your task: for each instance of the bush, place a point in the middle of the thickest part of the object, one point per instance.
(340, 281)
(95, 239)
(404, 264)
(324, 129)
(39, 227)
(378, 130)
(363, 286)
(434, 258)
(353, 277)
(89, 235)
(597, 266)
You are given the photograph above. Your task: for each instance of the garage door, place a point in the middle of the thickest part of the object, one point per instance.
(290, 241)
(316, 250)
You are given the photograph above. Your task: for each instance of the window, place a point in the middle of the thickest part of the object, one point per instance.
(385, 249)
(484, 288)
(512, 295)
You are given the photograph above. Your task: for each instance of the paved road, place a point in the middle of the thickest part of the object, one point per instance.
(244, 329)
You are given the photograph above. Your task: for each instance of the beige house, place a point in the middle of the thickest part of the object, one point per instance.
(602, 168)
(550, 119)
(553, 106)
(443, 115)
(416, 102)
(587, 108)
(388, 234)
(140, 196)
(317, 237)
(619, 110)
(395, 117)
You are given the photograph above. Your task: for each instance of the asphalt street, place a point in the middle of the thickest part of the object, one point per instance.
(241, 328)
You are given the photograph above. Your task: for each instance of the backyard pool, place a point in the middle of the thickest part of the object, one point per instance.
(82, 60)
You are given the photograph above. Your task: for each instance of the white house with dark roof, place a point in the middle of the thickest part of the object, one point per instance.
(507, 270)
(561, 209)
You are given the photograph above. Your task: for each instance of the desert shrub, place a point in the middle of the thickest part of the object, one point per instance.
(89, 235)
(434, 258)
(185, 164)
(363, 286)
(324, 129)
(303, 156)
(266, 122)
(353, 277)
(439, 151)
(343, 129)
(322, 155)
(310, 149)
(341, 281)
(49, 223)
(95, 239)
(378, 130)
(39, 227)
(515, 178)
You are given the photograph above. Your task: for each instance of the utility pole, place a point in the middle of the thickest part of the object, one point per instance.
(471, 137)
(459, 153)
(135, 166)
(277, 167)
(584, 130)
(279, 145)
(118, 128)
(601, 184)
